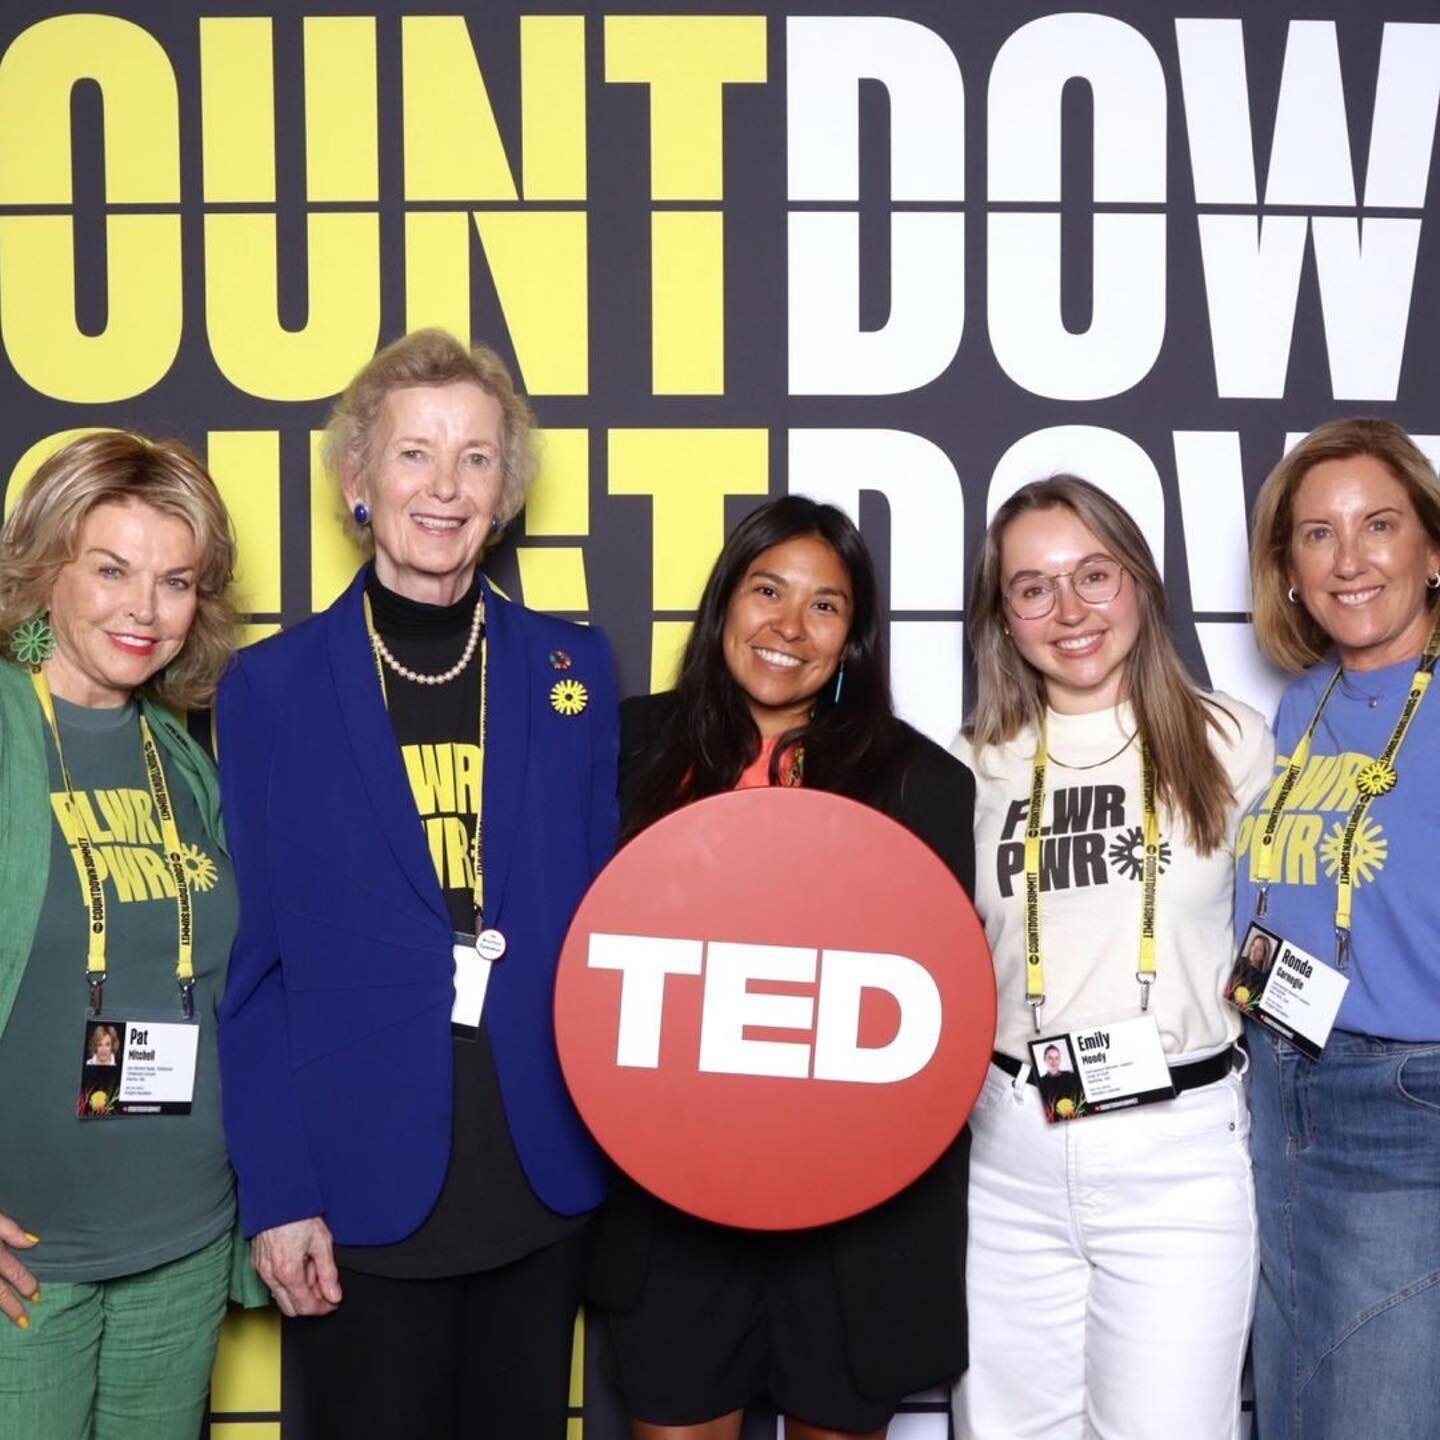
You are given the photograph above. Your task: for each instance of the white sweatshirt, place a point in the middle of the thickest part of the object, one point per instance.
(1091, 855)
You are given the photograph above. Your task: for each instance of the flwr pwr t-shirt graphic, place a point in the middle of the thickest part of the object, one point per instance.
(1091, 862)
(1088, 838)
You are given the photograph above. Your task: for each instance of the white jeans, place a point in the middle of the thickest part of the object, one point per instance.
(1111, 1270)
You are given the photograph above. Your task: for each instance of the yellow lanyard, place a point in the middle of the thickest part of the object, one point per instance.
(477, 845)
(1375, 778)
(1149, 883)
(93, 891)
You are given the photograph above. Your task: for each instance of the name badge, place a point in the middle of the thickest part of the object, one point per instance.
(137, 1067)
(472, 976)
(1115, 1066)
(1286, 989)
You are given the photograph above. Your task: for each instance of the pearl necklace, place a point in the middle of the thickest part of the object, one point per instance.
(414, 676)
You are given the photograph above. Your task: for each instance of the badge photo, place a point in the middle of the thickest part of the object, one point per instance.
(1286, 989)
(133, 1067)
(1115, 1066)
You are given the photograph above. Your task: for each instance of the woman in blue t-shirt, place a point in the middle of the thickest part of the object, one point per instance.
(1346, 572)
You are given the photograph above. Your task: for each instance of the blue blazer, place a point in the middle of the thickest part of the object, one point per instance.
(335, 1048)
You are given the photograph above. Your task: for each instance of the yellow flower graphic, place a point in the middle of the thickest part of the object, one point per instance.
(199, 868)
(1368, 857)
(1375, 778)
(569, 697)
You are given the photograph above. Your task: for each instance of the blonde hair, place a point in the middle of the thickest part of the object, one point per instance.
(431, 358)
(1173, 717)
(42, 536)
(1286, 632)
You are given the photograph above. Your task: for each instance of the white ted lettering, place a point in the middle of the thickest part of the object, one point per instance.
(729, 1007)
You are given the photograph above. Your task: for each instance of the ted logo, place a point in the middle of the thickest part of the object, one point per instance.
(775, 1008)
(728, 1007)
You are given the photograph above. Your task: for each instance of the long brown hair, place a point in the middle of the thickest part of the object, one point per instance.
(1174, 718)
(1286, 632)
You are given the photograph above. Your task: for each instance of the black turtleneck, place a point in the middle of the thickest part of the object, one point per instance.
(487, 1214)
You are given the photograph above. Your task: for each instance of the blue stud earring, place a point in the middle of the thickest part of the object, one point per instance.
(839, 683)
(362, 513)
(494, 524)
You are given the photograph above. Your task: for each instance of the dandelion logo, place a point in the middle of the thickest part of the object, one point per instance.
(1367, 858)
(569, 697)
(200, 869)
(1127, 853)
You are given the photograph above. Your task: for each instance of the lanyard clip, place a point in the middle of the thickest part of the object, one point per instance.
(1146, 981)
(187, 999)
(97, 991)
(1035, 1002)
(1262, 899)
(1342, 946)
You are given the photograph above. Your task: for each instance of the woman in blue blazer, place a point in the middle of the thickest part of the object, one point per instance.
(419, 785)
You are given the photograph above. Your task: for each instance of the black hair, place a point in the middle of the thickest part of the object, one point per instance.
(851, 746)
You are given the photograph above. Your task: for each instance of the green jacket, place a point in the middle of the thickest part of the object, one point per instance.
(25, 847)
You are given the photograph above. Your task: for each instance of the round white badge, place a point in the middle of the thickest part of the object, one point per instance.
(490, 944)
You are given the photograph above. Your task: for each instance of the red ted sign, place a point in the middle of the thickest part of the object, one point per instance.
(775, 1008)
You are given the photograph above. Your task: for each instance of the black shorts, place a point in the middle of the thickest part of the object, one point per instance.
(729, 1317)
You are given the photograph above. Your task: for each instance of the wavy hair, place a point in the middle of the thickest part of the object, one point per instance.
(1287, 634)
(1174, 718)
(850, 748)
(42, 536)
(430, 357)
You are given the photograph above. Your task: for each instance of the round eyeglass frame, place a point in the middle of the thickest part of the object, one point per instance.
(1030, 613)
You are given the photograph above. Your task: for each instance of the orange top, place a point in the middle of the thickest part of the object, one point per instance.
(756, 775)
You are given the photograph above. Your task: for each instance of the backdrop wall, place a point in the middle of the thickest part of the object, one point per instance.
(904, 262)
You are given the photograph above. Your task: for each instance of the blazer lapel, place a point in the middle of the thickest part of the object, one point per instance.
(377, 756)
(507, 742)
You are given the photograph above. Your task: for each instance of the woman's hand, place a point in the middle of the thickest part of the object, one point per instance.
(15, 1279)
(297, 1262)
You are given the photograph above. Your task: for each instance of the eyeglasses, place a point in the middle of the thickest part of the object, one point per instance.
(1095, 581)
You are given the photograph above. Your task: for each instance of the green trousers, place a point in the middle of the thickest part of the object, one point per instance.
(126, 1359)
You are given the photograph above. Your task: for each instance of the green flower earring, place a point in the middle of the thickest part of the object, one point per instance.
(33, 642)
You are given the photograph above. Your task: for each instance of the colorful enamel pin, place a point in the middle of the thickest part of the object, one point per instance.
(560, 660)
(569, 697)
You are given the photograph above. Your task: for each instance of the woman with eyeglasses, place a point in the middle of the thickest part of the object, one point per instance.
(1112, 1253)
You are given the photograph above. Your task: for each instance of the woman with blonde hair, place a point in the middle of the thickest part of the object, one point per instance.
(1111, 1261)
(1346, 573)
(117, 904)
(420, 786)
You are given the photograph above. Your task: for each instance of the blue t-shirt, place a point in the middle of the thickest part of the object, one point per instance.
(1394, 966)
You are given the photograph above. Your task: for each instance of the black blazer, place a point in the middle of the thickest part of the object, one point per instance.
(900, 1267)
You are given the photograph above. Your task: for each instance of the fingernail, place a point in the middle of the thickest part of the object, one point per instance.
(23, 1322)
(33, 1239)
(37, 1297)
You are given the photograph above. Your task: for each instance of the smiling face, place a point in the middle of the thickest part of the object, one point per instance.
(102, 1048)
(1052, 1060)
(122, 608)
(785, 630)
(1078, 649)
(433, 486)
(1359, 558)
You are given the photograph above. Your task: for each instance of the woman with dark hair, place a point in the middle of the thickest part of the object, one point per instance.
(784, 682)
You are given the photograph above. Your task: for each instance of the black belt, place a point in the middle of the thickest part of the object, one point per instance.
(1184, 1077)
